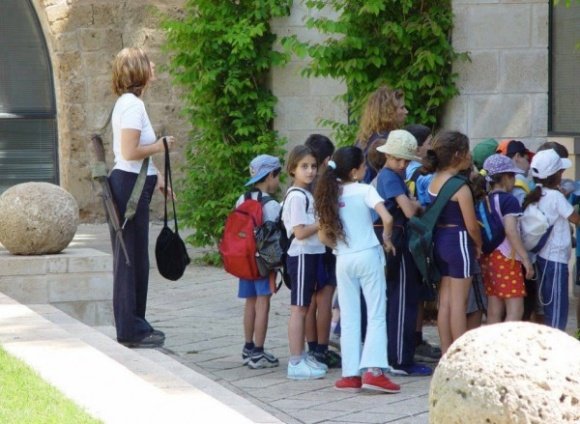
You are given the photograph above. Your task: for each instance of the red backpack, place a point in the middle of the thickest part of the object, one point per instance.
(238, 244)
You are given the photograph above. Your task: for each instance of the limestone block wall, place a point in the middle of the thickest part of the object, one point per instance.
(83, 37)
(303, 102)
(504, 88)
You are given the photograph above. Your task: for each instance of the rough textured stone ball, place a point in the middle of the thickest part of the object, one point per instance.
(508, 373)
(37, 219)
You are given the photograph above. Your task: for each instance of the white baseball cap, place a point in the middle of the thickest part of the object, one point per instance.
(548, 162)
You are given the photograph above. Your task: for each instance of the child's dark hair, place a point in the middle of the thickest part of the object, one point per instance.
(328, 189)
(420, 132)
(295, 156)
(559, 148)
(553, 181)
(376, 159)
(446, 147)
(478, 185)
(321, 146)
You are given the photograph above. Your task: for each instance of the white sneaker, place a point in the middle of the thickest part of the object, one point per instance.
(303, 370)
(312, 361)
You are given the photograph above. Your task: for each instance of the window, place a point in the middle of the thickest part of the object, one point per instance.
(565, 69)
(28, 131)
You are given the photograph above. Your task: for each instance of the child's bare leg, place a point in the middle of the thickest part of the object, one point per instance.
(296, 329)
(474, 320)
(310, 321)
(458, 293)
(249, 319)
(324, 302)
(261, 322)
(514, 309)
(495, 309)
(443, 314)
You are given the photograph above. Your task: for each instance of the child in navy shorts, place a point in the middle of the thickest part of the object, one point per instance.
(265, 171)
(304, 261)
(457, 236)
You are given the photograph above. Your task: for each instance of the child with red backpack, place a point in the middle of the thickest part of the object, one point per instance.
(265, 171)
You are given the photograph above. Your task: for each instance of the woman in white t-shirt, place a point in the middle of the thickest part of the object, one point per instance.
(133, 141)
(344, 210)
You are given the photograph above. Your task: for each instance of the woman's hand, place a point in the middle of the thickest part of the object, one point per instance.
(165, 191)
(170, 142)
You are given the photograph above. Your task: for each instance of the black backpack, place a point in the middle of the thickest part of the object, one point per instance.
(286, 241)
(420, 232)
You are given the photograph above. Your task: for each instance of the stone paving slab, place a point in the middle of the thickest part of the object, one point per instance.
(202, 318)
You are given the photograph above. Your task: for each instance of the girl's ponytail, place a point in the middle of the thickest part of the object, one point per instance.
(533, 196)
(344, 160)
(326, 201)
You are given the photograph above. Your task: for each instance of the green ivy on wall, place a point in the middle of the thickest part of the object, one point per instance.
(402, 43)
(221, 56)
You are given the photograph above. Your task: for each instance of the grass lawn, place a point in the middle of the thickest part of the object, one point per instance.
(26, 398)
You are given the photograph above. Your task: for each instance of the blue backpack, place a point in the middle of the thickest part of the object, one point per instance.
(491, 221)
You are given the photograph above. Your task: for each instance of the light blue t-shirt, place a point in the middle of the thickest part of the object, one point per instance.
(354, 208)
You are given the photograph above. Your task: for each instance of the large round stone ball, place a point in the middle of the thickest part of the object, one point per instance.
(510, 373)
(37, 219)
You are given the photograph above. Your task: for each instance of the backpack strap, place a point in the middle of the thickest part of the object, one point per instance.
(284, 203)
(450, 187)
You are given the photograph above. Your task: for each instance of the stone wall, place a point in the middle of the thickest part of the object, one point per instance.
(504, 88)
(303, 102)
(83, 37)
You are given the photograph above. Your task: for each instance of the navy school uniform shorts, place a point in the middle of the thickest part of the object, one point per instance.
(454, 252)
(308, 274)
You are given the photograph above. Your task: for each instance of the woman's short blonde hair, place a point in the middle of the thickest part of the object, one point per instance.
(131, 71)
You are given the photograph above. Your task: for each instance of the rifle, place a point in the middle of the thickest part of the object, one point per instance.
(103, 189)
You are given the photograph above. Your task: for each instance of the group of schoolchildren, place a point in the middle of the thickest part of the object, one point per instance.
(345, 213)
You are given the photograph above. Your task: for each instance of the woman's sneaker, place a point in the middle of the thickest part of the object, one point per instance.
(379, 383)
(349, 384)
(259, 360)
(305, 370)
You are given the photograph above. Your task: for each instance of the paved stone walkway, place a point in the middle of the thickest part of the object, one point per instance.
(202, 319)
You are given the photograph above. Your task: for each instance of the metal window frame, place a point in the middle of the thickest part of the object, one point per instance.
(50, 75)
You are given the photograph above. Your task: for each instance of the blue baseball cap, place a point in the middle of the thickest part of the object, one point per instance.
(261, 166)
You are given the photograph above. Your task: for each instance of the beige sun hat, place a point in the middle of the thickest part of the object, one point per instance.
(400, 144)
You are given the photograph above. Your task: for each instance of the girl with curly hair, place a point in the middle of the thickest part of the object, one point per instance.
(345, 223)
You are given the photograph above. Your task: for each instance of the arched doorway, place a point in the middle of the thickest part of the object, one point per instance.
(28, 129)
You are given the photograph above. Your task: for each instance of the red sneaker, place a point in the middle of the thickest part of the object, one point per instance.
(349, 384)
(379, 383)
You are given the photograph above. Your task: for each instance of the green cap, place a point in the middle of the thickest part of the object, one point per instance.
(483, 150)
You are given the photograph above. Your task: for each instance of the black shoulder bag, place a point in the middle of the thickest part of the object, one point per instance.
(170, 251)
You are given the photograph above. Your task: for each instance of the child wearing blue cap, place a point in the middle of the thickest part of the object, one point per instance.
(265, 180)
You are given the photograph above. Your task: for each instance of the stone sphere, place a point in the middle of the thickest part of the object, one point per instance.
(37, 219)
(508, 373)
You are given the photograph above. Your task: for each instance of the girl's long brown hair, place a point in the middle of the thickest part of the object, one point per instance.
(328, 190)
(379, 114)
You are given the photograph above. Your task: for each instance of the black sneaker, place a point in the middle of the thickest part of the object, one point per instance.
(149, 341)
(427, 353)
(259, 360)
(329, 358)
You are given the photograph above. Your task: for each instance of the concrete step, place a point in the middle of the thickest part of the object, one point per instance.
(114, 383)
